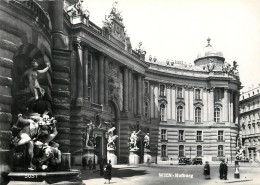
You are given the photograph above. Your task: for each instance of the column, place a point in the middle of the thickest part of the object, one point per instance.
(173, 103)
(130, 89)
(139, 94)
(57, 16)
(211, 104)
(168, 97)
(152, 100)
(156, 105)
(134, 95)
(96, 87)
(186, 100)
(142, 95)
(106, 81)
(225, 105)
(205, 104)
(125, 90)
(85, 71)
(231, 107)
(79, 101)
(101, 79)
(236, 106)
(73, 73)
(191, 102)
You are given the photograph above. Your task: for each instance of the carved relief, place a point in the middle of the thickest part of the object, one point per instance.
(115, 84)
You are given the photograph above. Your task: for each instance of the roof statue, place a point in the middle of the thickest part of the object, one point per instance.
(140, 50)
(78, 9)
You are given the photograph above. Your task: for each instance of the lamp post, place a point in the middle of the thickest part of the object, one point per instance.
(94, 163)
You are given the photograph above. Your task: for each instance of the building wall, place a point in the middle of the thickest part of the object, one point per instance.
(250, 123)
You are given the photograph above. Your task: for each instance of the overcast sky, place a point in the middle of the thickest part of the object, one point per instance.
(178, 29)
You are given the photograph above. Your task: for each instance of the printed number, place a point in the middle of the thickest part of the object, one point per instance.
(30, 176)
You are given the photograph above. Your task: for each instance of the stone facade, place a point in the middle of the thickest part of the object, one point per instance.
(250, 122)
(97, 77)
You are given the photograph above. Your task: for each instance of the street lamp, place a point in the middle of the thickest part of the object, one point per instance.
(94, 142)
(156, 149)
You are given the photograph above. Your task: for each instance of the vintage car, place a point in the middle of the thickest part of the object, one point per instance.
(184, 161)
(196, 161)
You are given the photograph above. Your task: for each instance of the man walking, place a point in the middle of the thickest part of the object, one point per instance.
(90, 164)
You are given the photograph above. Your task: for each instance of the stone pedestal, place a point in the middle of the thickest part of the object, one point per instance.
(88, 153)
(147, 156)
(134, 157)
(111, 156)
(66, 161)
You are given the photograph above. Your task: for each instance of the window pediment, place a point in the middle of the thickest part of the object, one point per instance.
(198, 104)
(180, 102)
(163, 101)
(218, 105)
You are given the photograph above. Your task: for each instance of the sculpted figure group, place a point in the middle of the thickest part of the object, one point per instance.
(111, 138)
(37, 132)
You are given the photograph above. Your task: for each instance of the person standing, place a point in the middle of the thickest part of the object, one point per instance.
(108, 172)
(90, 164)
(221, 170)
(225, 167)
(84, 163)
(207, 170)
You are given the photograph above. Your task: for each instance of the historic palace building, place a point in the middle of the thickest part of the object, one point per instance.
(97, 77)
(250, 123)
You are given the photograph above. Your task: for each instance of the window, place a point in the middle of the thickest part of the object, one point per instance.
(162, 90)
(179, 92)
(199, 135)
(199, 151)
(220, 150)
(164, 151)
(162, 110)
(197, 94)
(197, 115)
(220, 135)
(180, 114)
(218, 94)
(181, 135)
(217, 115)
(181, 150)
(146, 87)
(163, 134)
(146, 109)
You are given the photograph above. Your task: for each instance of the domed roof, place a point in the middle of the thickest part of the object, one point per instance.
(208, 51)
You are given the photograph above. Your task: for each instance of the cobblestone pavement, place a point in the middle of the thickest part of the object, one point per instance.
(175, 174)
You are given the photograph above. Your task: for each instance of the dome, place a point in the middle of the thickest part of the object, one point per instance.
(208, 51)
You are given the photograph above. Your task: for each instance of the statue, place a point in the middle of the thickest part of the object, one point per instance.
(111, 138)
(226, 67)
(239, 152)
(147, 141)
(134, 139)
(210, 65)
(33, 132)
(77, 9)
(89, 129)
(140, 49)
(31, 82)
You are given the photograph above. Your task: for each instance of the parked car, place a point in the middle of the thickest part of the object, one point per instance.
(184, 161)
(196, 161)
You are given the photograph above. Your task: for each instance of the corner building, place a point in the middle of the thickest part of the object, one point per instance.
(250, 123)
(96, 76)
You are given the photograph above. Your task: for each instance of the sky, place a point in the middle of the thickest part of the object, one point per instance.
(178, 29)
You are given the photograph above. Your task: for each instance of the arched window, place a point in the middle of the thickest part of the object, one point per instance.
(197, 115)
(162, 90)
(146, 109)
(179, 113)
(162, 110)
(217, 115)
(179, 92)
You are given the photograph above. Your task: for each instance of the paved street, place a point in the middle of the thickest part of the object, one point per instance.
(164, 175)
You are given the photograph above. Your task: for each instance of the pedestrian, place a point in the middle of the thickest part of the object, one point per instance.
(207, 170)
(84, 163)
(108, 171)
(225, 171)
(90, 164)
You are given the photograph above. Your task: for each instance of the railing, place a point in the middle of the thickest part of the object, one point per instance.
(38, 12)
